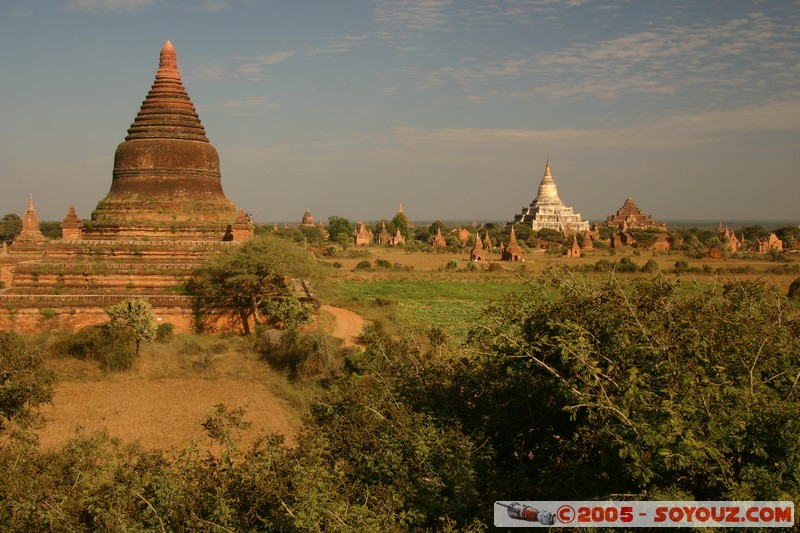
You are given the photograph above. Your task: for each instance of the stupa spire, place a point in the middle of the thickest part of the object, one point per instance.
(167, 112)
(168, 63)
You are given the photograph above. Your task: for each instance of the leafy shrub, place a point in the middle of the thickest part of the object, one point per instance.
(437, 336)
(383, 263)
(25, 381)
(364, 265)
(626, 264)
(603, 265)
(165, 332)
(288, 312)
(451, 265)
(794, 290)
(112, 348)
(650, 266)
(681, 267)
(47, 313)
(311, 355)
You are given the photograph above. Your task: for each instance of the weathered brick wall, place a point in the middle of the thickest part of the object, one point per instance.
(35, 320)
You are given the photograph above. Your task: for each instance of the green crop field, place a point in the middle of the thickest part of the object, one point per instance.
(422, 304)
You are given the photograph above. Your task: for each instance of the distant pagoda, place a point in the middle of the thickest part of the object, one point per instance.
(548, 211)
(31, 236)
(631, 217)
(166, 183)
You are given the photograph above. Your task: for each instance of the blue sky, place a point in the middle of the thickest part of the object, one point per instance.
(452, 107)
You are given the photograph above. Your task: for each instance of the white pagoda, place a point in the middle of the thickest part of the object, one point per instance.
(548, 211)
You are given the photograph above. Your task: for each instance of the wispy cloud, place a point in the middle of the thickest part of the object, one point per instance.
(248, 67)
(729, 59)
(122, 6)
(669, 132)
(340, 45)
(411, 15)
(400, 22)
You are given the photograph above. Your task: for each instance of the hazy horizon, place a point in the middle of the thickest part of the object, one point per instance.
(452, 108)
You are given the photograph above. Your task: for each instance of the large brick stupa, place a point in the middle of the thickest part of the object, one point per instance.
(166, 182)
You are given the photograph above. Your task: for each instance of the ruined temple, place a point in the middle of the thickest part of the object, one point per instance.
(575, 249)
(362, 235)
(512, 251)
(398, 238)
(631, 217)
(166, 182)
(383, 237)
(165, 214)
(729, 239)
(487, 242)
(586, 242)
(548, 211)
(308, 220)
(71, 226)
(438, 239)
(31, 237)
(767, 244)
(477, 253)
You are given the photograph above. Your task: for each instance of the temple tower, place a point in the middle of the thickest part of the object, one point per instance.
(71, 226)
(166, 181)
(30, 237)
(477, 253)
(548, 211)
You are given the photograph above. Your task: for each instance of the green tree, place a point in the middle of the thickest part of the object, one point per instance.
(50, 229)
(644, 389)
(340, 226)
(135, 317)
(400, 221)
(244, 280)
(25, 381)
(10, 227)
(289, 311)
(644, 238)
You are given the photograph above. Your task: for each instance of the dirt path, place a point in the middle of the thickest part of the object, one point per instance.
(348, 324)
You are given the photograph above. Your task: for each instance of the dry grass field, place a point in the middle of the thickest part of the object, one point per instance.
(164, 399)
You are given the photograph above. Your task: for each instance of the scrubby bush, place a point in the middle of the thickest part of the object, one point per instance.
(650, 266)
(364, 265)
(383, 263)
(165, 333)
(25, 381)
(451, 265)
(112, 348)
(626, 264)
(288, 312)
(794, 290)
(307, 355)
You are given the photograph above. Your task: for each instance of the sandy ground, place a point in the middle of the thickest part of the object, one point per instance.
(165, 398)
